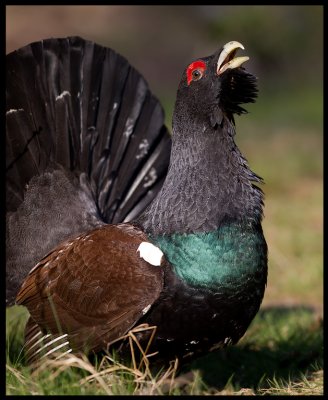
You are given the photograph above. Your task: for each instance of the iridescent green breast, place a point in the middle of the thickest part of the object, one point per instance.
(231, 255)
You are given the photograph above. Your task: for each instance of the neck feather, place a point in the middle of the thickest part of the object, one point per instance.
(208, 183)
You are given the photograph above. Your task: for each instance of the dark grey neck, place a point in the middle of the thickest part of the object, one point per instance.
(208, 183)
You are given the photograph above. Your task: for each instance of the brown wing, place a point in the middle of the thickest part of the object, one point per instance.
(93, 288)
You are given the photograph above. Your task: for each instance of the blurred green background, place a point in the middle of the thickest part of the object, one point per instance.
(282, 137)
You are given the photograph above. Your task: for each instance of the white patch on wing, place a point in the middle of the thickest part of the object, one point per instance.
(35, 267)
(146, 309)
(150, 253)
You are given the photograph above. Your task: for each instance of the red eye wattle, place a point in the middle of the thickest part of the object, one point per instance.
(195, 71)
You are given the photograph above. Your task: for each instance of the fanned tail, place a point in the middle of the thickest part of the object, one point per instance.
(86, 145)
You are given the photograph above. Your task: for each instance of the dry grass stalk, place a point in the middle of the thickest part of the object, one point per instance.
(140, 371)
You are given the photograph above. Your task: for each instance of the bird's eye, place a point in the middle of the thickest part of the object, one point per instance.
(195, 71)
(196, 74)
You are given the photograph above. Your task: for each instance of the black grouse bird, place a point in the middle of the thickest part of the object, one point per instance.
(110, 223)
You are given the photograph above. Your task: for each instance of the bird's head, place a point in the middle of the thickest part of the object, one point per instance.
(214, 87)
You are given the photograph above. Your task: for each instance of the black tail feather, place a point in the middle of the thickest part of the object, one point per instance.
(80, 108)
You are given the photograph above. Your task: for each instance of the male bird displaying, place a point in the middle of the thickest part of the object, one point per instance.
(110, 223)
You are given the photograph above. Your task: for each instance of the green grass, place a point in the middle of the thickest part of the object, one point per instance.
(291, 163)
(281, 344)
(281, 352)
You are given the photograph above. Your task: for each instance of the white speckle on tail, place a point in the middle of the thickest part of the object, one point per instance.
(13, 110)
(227, 340)
(128, 127)
(150, 178)
(64, 93)
(150, 253)
(143, 147)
